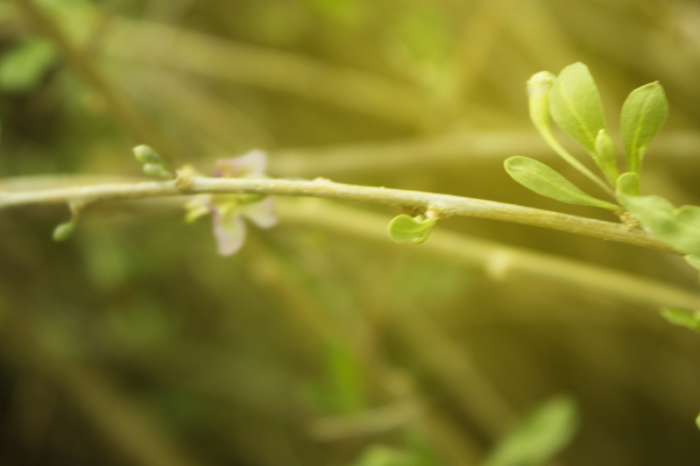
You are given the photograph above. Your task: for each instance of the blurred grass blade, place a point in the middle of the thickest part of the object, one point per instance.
(23, 66)
(576, 106)
(543, 180)
(539, 437)
(643, 114)
(679, 228)
(404, 227)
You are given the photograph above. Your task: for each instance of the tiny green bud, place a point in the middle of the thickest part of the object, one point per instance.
(628, 183)
(156, 171)
(605, 156)
(250, 198)
(145, 154)
(538, 88)
(63, 231)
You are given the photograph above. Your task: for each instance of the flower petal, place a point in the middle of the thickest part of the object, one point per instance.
(252, 163)
(229, 231)
(260, 213)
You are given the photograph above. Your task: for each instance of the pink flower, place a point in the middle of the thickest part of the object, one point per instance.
(228, 210)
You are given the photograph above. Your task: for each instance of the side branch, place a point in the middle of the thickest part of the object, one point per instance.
(444, 205)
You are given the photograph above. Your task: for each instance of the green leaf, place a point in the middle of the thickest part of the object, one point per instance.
(22, 67)
(157, 171)
(605, 156)
(643, 114)
(540, 437)
(683, 318)
(404, 227)
(64, 231)
(697, 421)
(153, 163)
(543, 180)
(538, 88)
(628, 183)
(576, 106)
(145, 155)
(679, 228)
(694, 261)
(381, 455)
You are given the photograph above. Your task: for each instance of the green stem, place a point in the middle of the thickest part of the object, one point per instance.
(444, 205)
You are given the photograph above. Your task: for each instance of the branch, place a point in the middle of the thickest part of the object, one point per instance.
(500, 261)
(443, 205)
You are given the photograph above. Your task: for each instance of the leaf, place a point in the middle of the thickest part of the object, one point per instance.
(683, 318)
(543, 180)
(697, 421)
(63, 231)
(628, 183)
(694, 261)
(539, 437)
(538, 88)
(643, 114)
(404, 227)
(679, 228)
(22, 67)
(605, 156)
(576, 106)
(381, 455)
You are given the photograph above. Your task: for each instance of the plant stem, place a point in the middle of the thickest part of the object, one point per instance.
(559, 149)
(444, 205)
(500, 261)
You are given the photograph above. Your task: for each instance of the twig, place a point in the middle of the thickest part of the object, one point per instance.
(443, 204)
(499, 260)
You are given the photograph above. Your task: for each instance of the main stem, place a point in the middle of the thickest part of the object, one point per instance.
(441, 204)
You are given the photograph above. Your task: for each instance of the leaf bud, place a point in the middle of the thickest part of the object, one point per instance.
(63, 231)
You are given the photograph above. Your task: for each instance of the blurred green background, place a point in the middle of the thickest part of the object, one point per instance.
(321, 342)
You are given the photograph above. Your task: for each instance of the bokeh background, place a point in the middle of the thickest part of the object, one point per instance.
(321, 342)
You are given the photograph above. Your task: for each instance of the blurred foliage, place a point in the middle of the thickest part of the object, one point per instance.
(134, 343)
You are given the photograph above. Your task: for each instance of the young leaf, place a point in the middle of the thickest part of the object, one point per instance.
(156, 171)
(576, 106)
(63, 231)
(683, 318)
(643, 114)
(543, 180)
(679, 228)
(381, 455)
(628, 183)
(605, 156)
(404, 227)
(539, 437)
(538, 90)
(694, 261)
(538, 87)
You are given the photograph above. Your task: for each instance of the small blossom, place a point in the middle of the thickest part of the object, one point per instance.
(228, 210)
